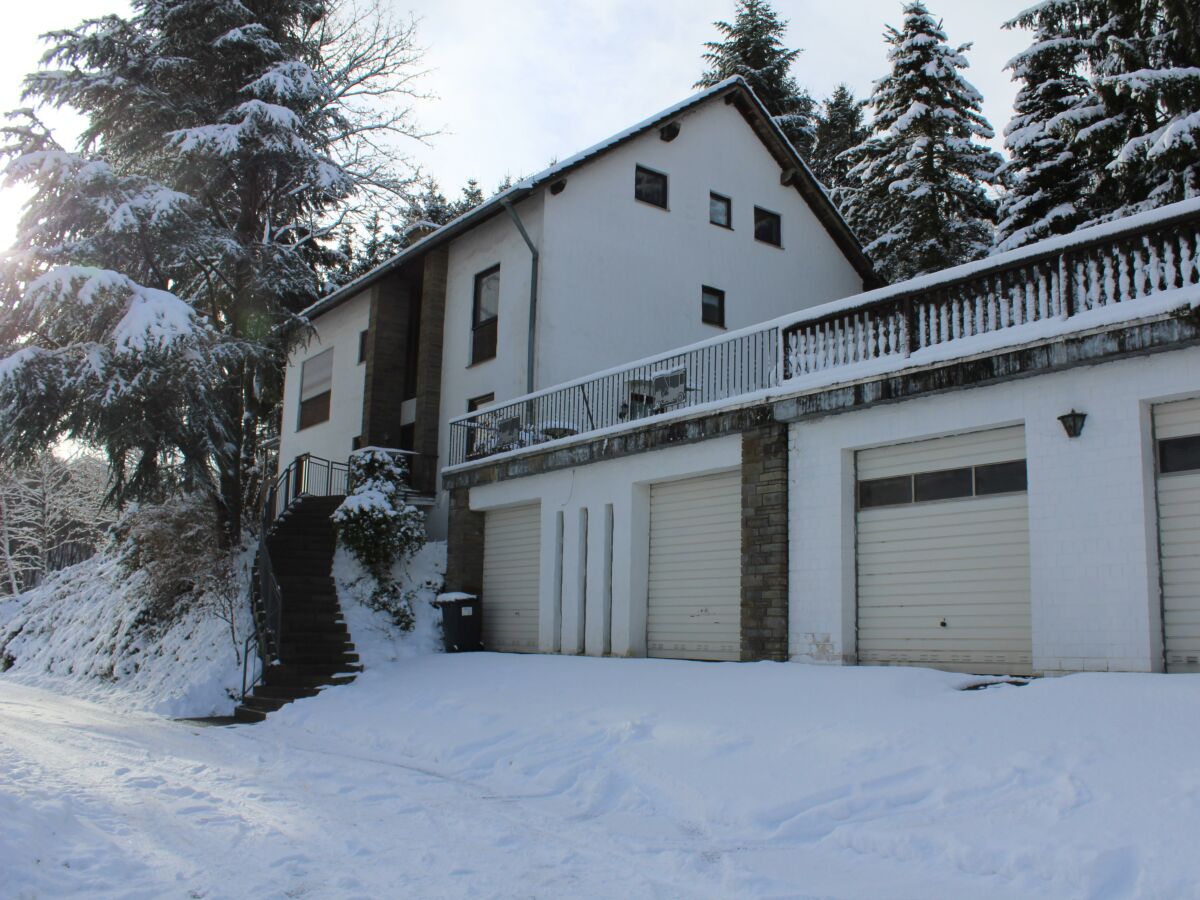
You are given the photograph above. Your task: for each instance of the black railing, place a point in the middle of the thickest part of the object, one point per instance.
(305, 476)
(706, 373)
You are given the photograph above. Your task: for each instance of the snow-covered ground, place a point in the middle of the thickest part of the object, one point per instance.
(483, 775)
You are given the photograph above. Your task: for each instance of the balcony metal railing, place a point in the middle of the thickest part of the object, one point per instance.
(704, 373)
(1046, 283)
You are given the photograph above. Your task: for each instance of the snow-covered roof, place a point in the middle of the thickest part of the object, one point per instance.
(771, 135)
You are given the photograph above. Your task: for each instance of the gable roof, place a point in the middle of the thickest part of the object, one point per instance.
(736, 92)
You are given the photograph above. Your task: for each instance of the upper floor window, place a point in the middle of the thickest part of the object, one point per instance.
(316, 387)
(720, 210)
(650, 186)
(485, 315)
(712, 306)
(767, 227)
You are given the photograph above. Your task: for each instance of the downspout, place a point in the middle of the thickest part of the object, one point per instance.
(533, 292)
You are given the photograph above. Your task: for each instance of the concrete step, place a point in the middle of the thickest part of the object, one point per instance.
(321, 658)
(247, 715)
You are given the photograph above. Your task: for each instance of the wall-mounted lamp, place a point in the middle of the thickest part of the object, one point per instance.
(1072, 423)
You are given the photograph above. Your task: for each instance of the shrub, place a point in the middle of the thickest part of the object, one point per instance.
(379, 528)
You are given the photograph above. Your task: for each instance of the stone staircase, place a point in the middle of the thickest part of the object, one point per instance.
(315, 648)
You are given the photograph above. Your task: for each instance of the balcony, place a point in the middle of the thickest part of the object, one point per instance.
(1132, 268)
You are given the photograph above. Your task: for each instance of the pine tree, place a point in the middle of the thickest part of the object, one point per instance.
(151, 294)
(918, 193)
(839, 127)
(423, 210)
(752, 47)
(1143, 123)
(1047, 182)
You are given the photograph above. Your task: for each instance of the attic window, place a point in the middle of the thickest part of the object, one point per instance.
(316, 387)
(768, 227)
(650, 187)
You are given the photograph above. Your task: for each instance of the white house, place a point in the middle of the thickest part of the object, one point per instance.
(697, 221)
(994, 469)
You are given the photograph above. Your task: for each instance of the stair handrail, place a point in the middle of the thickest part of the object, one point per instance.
(304, 476)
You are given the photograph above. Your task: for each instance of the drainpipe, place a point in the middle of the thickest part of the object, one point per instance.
(533, 287)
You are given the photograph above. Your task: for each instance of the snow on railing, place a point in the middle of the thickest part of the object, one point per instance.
(1051, 281)
(1095, 268)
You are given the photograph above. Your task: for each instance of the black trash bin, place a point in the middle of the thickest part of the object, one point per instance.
(462, 622)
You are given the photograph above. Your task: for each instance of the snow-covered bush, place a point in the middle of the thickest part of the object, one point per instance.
(379, 528)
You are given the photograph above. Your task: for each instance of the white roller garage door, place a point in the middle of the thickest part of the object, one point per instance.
(511, 564)
(1177, 430)
(695, 590)
(943, 554)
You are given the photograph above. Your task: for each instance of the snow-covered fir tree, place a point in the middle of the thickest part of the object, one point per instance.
(1046, 182)
(752, 46)
(151, 293)
(919, 195)
(839, 127)
(1141, 125)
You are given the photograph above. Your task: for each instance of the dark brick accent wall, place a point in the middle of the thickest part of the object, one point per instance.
(765, 543)
(464, 547)
(387, 350)
(429, 370)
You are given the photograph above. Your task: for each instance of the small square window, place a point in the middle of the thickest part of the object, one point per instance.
(485, 315)
(768, 227)
(947, 484)
(1181, 454)
(885, 491)
(650, 186)
(720, 210)
(1001, 478)
(712, 306)
(362, 347)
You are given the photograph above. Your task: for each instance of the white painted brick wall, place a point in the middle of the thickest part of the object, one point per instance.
(1093, 554)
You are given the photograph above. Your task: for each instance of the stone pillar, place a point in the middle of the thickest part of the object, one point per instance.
(765, 543)
(429, 371)
(464, 545)
(387, 351)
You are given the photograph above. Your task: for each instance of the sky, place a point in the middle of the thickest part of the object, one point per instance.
(517, 84)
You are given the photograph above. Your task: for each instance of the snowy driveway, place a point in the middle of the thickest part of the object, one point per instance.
(493, 776)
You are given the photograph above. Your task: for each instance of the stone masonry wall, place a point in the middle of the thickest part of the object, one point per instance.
(765, 543)
(464, 550)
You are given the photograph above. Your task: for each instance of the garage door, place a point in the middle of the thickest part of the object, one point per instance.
(511, 561)
(695, 591)
(943, 554)
(1177, 431)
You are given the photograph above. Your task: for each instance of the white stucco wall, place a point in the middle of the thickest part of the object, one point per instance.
(621, 279)
(1093, 531)
(625, 484)
(333, 438)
